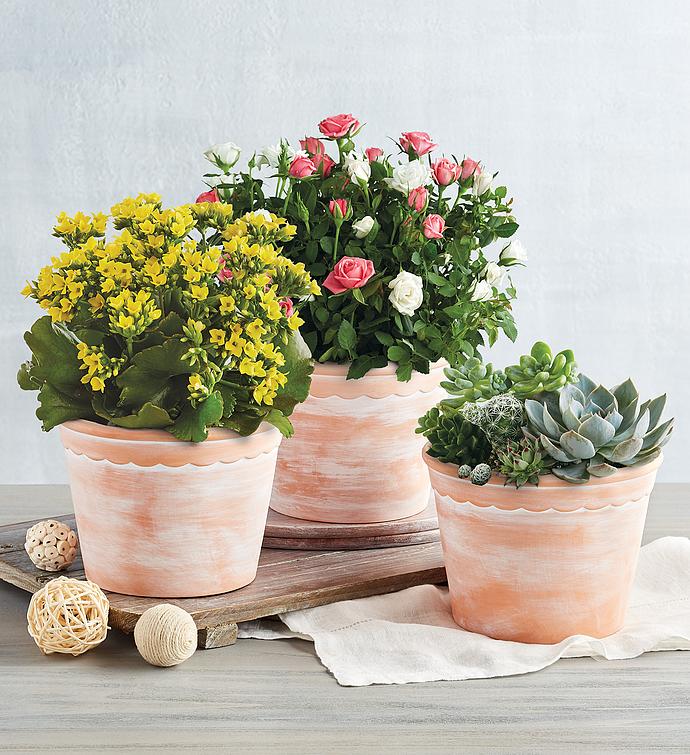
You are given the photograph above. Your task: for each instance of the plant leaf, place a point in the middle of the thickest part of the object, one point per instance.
(193, 422)
(151, 371)
(149, 416)
(57, 407)
(298, 367)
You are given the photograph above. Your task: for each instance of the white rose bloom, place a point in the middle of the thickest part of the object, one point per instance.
(494, 274)
(408, 292)
(515, 251)
(482, 291)
(271, 155)
(223, 155)
(363, 227)
(482, 181)
(214, 181)
(409, 176)
(358, 167)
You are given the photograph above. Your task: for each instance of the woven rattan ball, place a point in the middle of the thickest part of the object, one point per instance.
(165, 635)
(51, 545)
(68, 616)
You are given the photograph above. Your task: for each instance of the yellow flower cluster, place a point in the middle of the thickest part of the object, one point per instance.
(98, 365)
(226, 278)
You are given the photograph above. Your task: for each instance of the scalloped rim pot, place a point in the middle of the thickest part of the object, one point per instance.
(545, 562)
(159, 517)
(355, 456)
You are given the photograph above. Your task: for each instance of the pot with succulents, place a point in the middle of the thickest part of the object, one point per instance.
(542, 479)
(398, 245)
(170, 359)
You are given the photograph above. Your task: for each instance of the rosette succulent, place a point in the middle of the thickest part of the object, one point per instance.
(473, 381)
(453, 438)
(591, 430)
(523, 461)
(540, 371)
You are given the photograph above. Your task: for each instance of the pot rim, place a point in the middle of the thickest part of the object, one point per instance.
(447, 469)
(337, 369)
(112, 432)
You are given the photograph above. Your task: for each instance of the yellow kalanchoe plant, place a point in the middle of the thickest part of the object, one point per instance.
(185, 320)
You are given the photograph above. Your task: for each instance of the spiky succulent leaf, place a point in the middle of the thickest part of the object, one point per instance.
(522, 461)
(452, 438)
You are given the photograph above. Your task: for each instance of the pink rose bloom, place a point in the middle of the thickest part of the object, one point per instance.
(373, 153)
(312, 145)
(338, 126)
(301, 167)
(224, 274)
(208, 196)
(468, 167)
(416, 199)
(434, 225)
(350, 272)
(445, 171)
(287, 307)
(420, 142)
(338, 208)
(324, 163)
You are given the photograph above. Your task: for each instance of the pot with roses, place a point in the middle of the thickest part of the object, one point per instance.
(170, 359)
(398, 243)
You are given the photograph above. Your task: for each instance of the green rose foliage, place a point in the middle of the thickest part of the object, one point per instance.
(361, 325)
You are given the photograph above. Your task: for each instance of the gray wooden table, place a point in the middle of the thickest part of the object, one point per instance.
(276, 697)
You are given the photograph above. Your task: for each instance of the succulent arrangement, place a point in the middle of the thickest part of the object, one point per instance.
(541, 416)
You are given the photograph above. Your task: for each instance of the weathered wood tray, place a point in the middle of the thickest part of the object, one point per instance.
(287, 580)
(286, 532)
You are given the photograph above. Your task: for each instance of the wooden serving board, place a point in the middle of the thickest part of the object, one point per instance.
(289, 533)
(287, 580)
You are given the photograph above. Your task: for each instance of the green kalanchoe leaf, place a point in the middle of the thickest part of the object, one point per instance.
(194, 421)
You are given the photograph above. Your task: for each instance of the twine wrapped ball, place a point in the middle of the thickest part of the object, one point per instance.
(51, 545)
(165, 635)
(68, 616)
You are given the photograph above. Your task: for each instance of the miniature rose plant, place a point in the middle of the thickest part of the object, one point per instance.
(398, 242)
(186, 318)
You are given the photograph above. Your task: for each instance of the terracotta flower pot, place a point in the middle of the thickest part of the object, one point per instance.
(355, 457)
(162, 518)
(544, 562)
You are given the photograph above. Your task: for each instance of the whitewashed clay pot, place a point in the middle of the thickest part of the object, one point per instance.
(355, 457)
(545, 562)
(163, 518)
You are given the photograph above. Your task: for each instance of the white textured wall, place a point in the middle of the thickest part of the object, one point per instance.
(583, 106)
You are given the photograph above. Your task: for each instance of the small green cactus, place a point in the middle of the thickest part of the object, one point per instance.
(501, 417)
(481, 474)
(465, 471)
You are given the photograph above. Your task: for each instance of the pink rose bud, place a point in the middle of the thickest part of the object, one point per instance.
(324, 164)
(434, 225)
(287, 306)
(417, 198)
(312, 145)
(419, 141)
(224, 274)
(350, 272)
(338, 208)
(445, 171)
(468, 167)
(301, 167)
(373, 153)
(338, 126)
(208, 196)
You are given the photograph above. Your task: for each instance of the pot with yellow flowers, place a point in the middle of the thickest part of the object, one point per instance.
(170, 359)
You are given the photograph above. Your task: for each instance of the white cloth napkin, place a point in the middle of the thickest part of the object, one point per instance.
(410, 636)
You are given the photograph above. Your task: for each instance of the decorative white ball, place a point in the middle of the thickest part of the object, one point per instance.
(68, 616)
(51, 545)
(165, 635)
